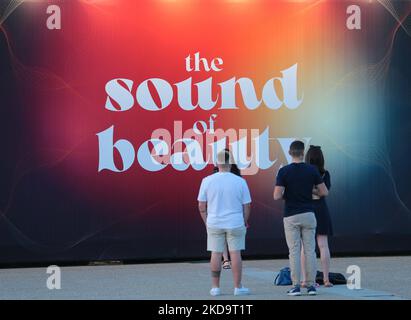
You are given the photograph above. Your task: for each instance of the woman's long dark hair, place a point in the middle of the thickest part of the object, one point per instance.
(234, 169)
(315, 157)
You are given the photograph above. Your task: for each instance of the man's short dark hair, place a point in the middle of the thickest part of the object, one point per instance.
(297, 149)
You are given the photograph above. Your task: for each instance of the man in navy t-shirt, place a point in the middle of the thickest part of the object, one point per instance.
(295, 184)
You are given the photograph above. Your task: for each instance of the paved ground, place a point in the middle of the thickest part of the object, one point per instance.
(381, 278)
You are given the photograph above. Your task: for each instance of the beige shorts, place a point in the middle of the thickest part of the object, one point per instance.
(217, 239)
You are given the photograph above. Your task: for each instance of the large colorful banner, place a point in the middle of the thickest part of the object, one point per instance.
(112, 112)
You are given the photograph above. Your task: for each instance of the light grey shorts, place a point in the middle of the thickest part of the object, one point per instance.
(217, 239)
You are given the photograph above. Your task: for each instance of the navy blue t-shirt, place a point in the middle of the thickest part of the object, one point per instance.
(298, 179)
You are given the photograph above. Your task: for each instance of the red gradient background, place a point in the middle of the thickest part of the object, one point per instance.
(57, 204)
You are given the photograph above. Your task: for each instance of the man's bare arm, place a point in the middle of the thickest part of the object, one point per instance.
(202, 207)
(322, 190)
(246, 212)
(278, 192)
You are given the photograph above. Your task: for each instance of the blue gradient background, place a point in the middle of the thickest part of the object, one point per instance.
(54, 206)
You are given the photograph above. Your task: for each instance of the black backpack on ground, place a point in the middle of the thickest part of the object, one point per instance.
(335, 278)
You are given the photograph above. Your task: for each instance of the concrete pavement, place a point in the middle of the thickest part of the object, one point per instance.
(381, 278)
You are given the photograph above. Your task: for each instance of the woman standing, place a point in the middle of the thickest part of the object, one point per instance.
(315, 157)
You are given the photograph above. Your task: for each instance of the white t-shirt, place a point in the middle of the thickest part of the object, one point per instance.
(225, 194)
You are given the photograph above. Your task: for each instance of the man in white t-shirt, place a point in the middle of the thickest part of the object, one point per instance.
(224, 204)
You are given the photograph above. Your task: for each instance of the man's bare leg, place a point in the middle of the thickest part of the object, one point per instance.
(215, 265)
(237, 267)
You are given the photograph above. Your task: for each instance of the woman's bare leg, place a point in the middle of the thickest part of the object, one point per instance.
(322, 241)
(225, 253)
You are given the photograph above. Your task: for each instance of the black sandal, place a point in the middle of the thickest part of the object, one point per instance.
(226, 264)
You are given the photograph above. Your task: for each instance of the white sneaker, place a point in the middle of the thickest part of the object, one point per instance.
(241, 291)
(215, 292)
